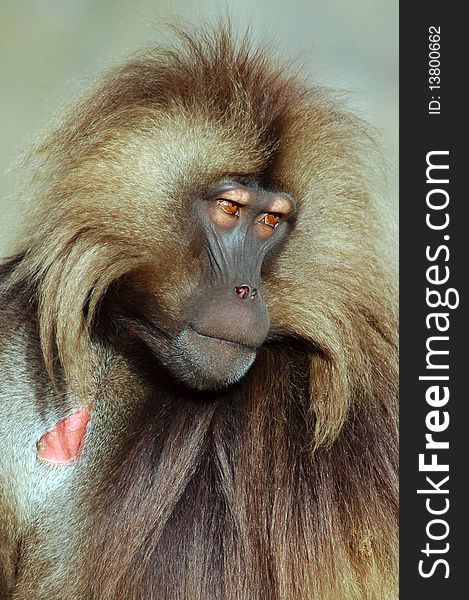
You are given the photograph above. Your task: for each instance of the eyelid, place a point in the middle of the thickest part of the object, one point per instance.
(281, 206)
(237, 196)
(228, 201)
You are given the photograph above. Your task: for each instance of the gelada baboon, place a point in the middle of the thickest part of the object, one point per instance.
(198, 344)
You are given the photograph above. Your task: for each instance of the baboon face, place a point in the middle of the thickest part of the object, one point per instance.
(207, 322)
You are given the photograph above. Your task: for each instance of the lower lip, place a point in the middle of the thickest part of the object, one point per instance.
(218, 339)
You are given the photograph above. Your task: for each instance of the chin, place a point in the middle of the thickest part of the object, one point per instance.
(203, 362)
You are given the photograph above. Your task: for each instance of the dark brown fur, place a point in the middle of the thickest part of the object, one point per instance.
(281, 487)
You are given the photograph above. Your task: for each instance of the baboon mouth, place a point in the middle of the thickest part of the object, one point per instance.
(208, 362)
(222, 339)
(200, 360)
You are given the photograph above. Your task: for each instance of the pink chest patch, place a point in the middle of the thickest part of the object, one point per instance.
(63, 444)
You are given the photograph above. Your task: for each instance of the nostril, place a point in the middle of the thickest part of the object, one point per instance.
(243, 291)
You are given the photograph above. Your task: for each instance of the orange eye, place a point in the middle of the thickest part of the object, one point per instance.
(231, 208)
(270, 219)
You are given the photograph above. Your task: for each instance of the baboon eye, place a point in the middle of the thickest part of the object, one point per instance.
(231, 208)
(270, 219)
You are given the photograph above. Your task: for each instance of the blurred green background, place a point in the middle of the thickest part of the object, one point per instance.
(49, 49)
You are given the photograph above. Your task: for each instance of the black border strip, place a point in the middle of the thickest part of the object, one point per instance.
(429, 256)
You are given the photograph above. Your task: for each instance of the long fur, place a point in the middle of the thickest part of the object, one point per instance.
(283, 486)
